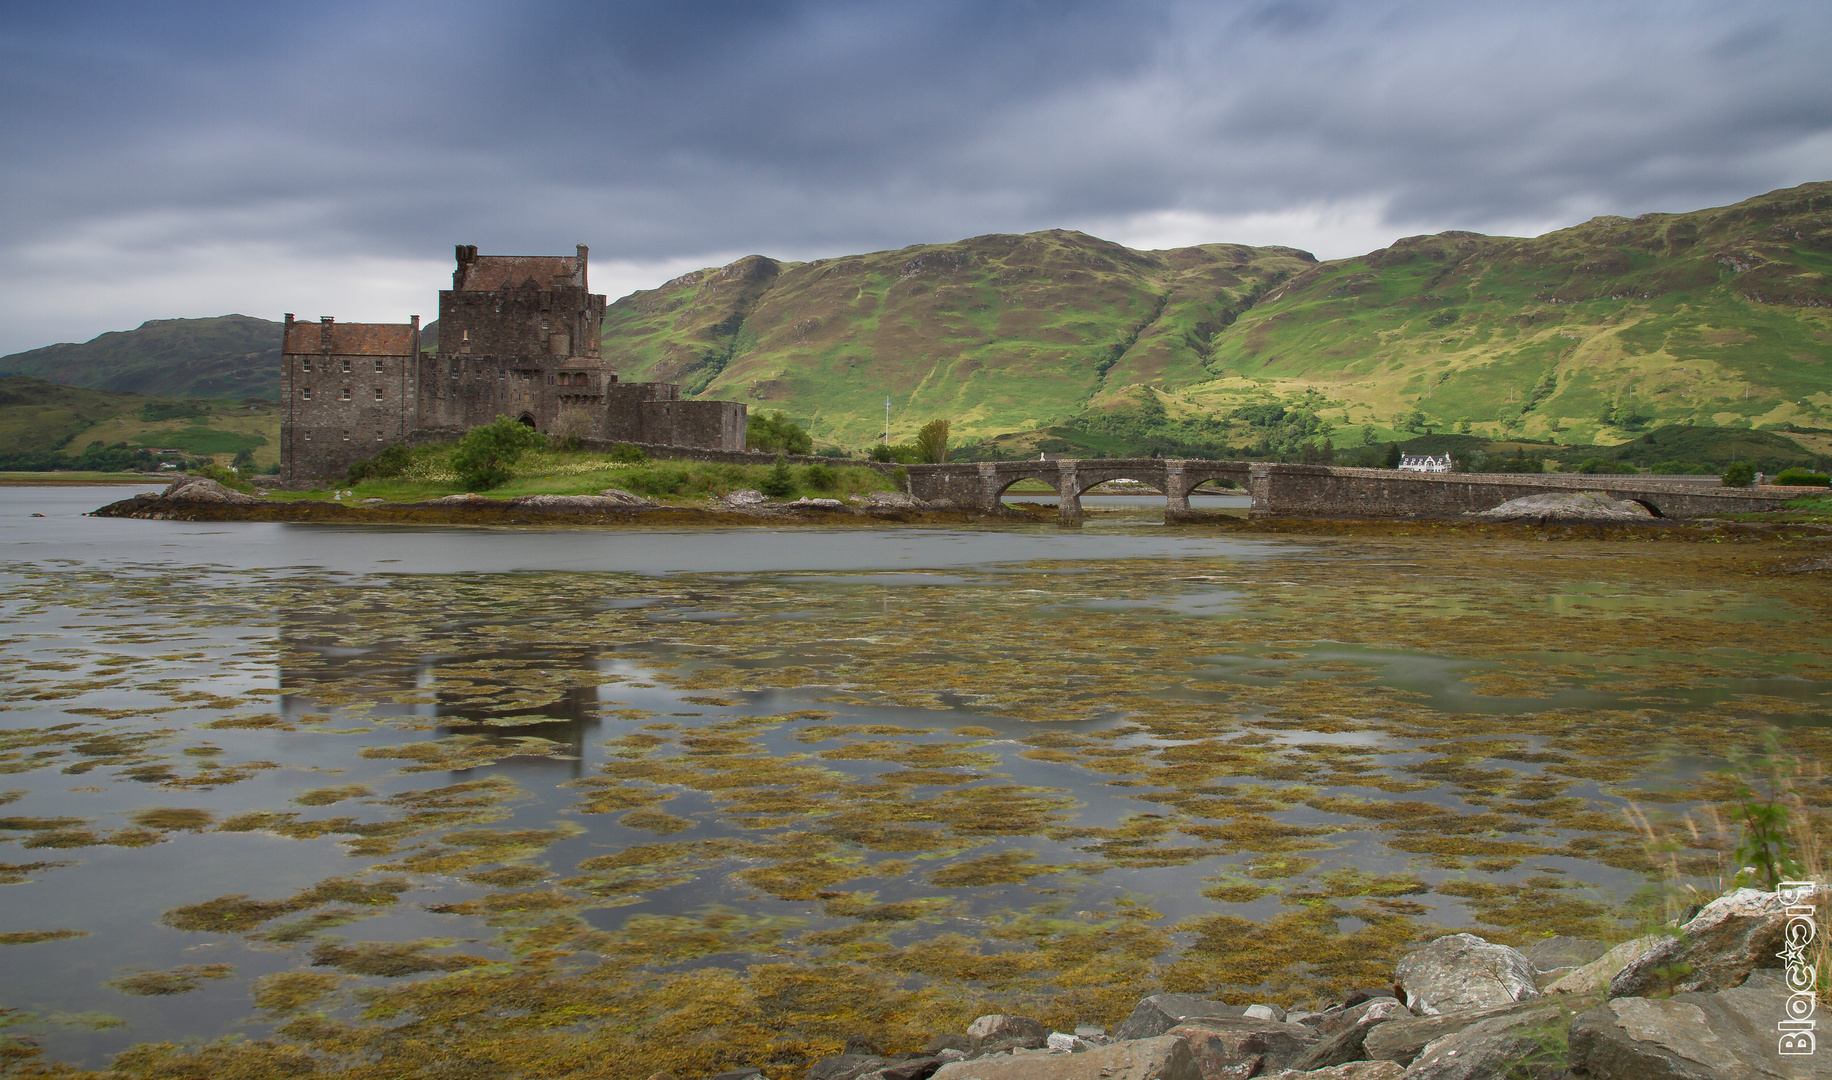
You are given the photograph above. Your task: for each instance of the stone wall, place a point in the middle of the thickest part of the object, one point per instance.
(1330, 491)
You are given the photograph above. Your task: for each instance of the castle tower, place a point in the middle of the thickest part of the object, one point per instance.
(350, 390)
(520, 305)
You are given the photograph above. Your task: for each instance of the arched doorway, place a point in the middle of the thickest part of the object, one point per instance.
(526, 419)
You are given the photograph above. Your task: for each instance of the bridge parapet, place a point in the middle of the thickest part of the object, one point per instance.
(1325, 490)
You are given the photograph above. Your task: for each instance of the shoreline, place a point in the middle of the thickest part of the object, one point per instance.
(489, 512)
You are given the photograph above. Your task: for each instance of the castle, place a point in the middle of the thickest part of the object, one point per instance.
(518, 336)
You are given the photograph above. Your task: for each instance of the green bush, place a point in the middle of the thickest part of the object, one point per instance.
(1605, 466)
(391, 461)
(820, 477)
(625, 454)
(1739, 474)
(1802, 478)
(244, 460)
(1391, 461)
(779, 483)
(774, 431)
(483, 458)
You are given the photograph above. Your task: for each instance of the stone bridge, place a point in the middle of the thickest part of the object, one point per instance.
(1324, 490)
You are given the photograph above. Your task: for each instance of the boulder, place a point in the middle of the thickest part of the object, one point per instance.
(624, 498)
(1341, 1018)
(1553, 953)
(1598, 973)
(1565, 506)
(805, 503)
(1719, 1035)
(743, 497)
(202, 489)
(844, 1067)
(1265, 1012)
(574, 502)
(1000, 1026)
(913, 1068)
(1729, 937)
(1462, 972)
(894, 500)
(1159, 1013)
(1235, 1048)
(1348, 1044)
(1354, 1070)
(1403, 1039)
(464, 497)
(1522, 1043)
(1162, 1058)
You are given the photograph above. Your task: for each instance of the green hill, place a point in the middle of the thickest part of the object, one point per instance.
(47, 425)
(1593, 334)
(230, 356)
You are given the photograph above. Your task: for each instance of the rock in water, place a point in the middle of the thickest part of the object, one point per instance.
(1694, 1036)
(1462, 972)
(1730, 937)
(1159, 1013)
(1162, 1058)
(202, 489)
(1563, 506)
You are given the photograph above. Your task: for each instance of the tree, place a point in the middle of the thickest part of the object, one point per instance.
(932, 442)
(1739, 474)
(774, 431)
(483, 458)
(244, 460)
(1367, 434)
(1413, 421)
(1393, 455)
(779, 482)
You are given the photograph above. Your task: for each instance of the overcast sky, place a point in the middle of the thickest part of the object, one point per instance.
(189, 159)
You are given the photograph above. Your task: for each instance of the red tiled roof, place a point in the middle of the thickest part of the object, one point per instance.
(351, 339)
(491, 271)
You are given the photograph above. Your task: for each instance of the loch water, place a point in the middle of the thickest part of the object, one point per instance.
(245, 766)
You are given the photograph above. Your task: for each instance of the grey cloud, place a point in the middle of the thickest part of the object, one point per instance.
(656, 131)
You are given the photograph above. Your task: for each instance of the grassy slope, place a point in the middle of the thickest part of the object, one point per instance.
(1718, 317)
(40, 415)
(230, 356)
(995, 333)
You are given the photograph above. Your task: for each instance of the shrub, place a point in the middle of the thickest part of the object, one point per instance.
(820, 477)
(483, 458)
(625, 454)
(779, 483)
(1801, 478)
(1393, 455)
(774, 431)
(1739, 474)
(1604, 466)
(244, 460)
(391, 461)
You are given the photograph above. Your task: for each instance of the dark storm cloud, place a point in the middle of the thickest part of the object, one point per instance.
(153, 143)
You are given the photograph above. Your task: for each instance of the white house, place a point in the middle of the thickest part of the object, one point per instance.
(1424, 463)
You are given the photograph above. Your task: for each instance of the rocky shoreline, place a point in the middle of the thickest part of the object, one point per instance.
(1698, 1001)
(194, 498)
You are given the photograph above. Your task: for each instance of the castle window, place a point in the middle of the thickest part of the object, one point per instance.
(378, 436)
(346, 393)
(306, 365)
(346, 366)
(346, 436)
(378, 393)
(454, 369)
(305, 392)
(543, 324)
(378, 367)
(308, 436)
